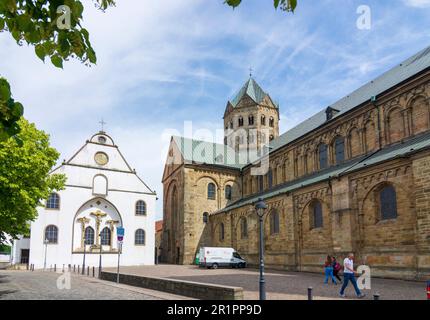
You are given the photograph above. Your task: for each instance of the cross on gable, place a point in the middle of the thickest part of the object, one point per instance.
(102, 124)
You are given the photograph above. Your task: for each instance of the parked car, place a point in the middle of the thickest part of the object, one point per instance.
(213, 257)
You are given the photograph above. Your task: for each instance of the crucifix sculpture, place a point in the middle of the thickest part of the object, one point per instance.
(111, 224)
(98, 215)
(83, 221)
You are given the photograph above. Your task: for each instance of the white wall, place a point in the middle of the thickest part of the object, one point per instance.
(78, 200)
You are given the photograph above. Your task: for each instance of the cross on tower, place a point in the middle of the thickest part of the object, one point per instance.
(250, 72)
(103, 125)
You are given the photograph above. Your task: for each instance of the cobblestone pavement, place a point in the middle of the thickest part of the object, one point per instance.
(282, 285)
(39, 285)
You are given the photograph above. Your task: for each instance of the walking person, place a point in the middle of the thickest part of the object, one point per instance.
(349, 275)
(336, 269)
(328, 270)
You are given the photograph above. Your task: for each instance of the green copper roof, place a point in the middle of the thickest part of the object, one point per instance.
(404, 149)
(408, 68)
(252, 89)
(202, 152)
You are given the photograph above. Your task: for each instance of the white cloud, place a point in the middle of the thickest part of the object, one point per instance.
(161, 63)
(417, 3)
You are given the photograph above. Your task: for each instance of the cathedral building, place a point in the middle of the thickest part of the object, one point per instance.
(102, 193)
(355, 177)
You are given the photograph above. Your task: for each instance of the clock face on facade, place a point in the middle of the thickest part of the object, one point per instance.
(101, 158)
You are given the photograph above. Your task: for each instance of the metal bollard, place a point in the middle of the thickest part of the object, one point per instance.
(50, 267)
(310, 293)
(55, 267)
(376, 296)
(69, 267)
(79, 269)
(94, 272)
(88, 271)
(74, 268)
(63, 268)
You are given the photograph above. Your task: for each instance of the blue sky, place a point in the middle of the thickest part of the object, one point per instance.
(161, 63)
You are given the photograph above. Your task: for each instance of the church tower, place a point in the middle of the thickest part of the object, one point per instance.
(251, 118)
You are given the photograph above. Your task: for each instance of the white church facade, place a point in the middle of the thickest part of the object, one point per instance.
(102, 193)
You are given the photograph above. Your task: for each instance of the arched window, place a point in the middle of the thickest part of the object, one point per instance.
(322, 156)
(51, 234)
(251, 120)
(316, 215)
(339, 150)
(260, 184)
(140, 208)
(100, 185)
(105, 237)
(388, 203)
(274, 222)
(228, 192)
(139, 237)
(221, 232)
(89, 235)
(53, 201)
(271, 122)
(211, 191)
(271, 137)
(243, 228)
(270, 178)
(263, 120)
(240, 122)
(231, 124)
(205, 217)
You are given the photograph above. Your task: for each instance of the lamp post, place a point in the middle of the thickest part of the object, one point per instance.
(260, 207)
(45, 242)
(85, 251)
(100, 259)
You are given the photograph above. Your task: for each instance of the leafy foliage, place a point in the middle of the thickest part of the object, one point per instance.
(10, 112)
(34, 22)
(286, 5)
(25, 179)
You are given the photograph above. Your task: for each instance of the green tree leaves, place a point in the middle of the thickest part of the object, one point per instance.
(10, 112)
(34, 22)
(286, 5)
(24, 178)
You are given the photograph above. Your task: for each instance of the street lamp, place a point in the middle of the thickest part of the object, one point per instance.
(100, 259)
(260, 207)
(45, 242)
(85, 251)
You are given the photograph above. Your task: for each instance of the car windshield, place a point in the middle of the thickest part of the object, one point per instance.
(236, 255)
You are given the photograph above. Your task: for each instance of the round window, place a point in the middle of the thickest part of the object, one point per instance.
(102, 139)
(101, 158)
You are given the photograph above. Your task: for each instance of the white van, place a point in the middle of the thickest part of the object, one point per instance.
(211, 257)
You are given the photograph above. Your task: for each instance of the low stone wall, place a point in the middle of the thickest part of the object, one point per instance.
(203, 291)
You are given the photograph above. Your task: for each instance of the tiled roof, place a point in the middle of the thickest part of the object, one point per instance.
(202, 152)
(415, 64)
(406, 148)
(252, 89)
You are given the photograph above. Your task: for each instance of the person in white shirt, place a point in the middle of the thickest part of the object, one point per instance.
(349, 275)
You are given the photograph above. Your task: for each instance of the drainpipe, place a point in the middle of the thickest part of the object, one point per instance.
(373, 101)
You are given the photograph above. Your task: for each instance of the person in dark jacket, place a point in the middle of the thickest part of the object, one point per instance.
(336, 269)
